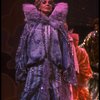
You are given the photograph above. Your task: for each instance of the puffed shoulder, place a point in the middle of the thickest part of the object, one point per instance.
(28, 7)
(61, 7)
(59, 14)
(60, 11)
(30, 12)
(83, 50)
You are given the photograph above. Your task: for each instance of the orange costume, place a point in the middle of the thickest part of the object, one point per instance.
(80, 92)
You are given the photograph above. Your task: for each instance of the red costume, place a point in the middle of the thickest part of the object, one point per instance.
(80, 92)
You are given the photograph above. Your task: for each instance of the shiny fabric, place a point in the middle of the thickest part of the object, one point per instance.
(91, 44)
(81, 91)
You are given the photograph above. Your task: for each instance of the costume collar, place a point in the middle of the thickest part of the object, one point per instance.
(57, 17)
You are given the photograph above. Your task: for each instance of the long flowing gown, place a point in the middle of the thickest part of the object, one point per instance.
(44, 54)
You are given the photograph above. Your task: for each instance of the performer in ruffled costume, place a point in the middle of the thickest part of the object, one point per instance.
(44, 60)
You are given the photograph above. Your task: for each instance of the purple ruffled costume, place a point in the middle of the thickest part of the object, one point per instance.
(44, 54)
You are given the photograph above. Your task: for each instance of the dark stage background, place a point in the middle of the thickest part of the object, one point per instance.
(81, 14)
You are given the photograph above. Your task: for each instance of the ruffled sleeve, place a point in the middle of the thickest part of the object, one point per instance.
(21, 57)
(31, 13)
(84, 66)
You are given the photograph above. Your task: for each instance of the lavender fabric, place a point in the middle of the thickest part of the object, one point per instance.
(42, 68)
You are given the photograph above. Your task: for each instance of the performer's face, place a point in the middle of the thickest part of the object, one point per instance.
(75, 42)
(46, 6)
(96, 27)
